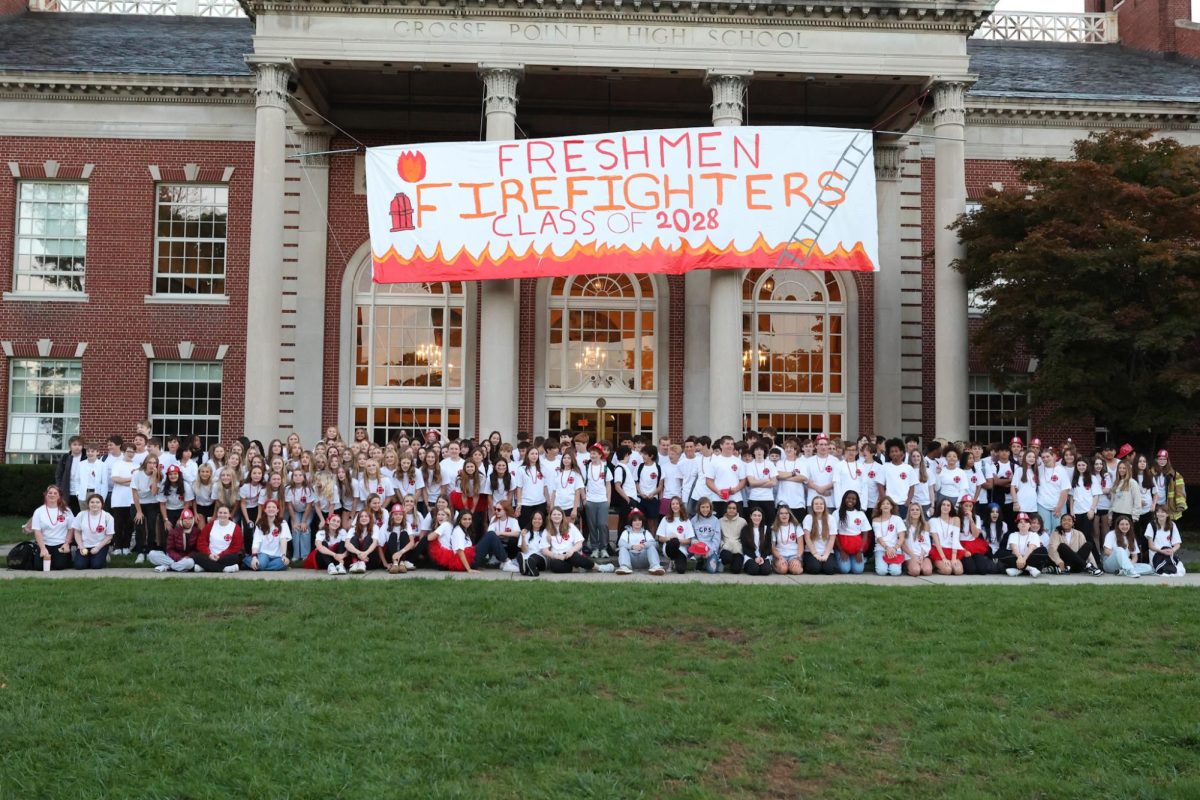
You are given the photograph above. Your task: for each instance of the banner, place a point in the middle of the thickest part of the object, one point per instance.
(641, 201)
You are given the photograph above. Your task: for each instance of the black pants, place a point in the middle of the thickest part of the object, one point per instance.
(732, 561)
(1038, 559)
(512, 547)
(676, 554)
(767, 507)
(394, 544)
(323, 560)
(577, 560)
(489, 544)
(147, 533)
(527, 514)
(247, 523)
(122, 527)
(814, 567)
(58, 559)
(750, 568)
(72, 503)
(1077, 560)
(533, 564)
(977, 564)
(209, 564)
(619, 506)
(1165, 565)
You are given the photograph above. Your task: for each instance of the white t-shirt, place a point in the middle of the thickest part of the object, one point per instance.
(1147, 497)
(872, 476)
(506, 527)
(94, 528)
(897, 478)
(442, 532)
(204, 494)
(672, 478)
(88, 477)
(850, 476)
(533, 485)
(188, 471)
(366, 486)
(1110, 543)
(459, 539)
(298, 497)
(177, 500)
(726, 471)
(919, 544)
(220, 537)
(648, 476)
(855, 523)
(598, 476)
(887, 532)
(689, 469)
(947, 535)
(1167, 537)
(1052, 482)
(273, 544)
(1019, 542)
(761, 470)
(323, 536)
(818, 545)
(788, 540)
(450, 469)
(954, 483)
(141, 485)
(55, 525)
(1025, 482)
(564, 484)
(407, 487)
(703, 472)
(791, 492)
(252, 495)
(1004, 471)
(565, 543)
(1082, 496)
(680, 529)
(536, 542)
(1106, 481)
(820, 470)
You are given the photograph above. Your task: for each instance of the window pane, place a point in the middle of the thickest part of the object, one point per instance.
(185, 399)
(190, 239)
(51, 240)
(43, 408)
(994, 415)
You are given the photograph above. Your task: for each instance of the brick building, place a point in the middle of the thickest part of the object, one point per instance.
(172, 252)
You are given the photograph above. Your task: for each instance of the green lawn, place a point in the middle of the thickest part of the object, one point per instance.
(10, 529)
(219, 688)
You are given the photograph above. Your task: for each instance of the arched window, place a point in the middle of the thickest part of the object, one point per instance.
(408, 356)
(793, 351)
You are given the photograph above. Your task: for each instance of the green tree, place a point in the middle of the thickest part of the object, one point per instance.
(1092, 267)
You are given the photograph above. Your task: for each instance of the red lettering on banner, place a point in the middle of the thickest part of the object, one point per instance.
(644, 152)
(740, 147)
(612, 159)
(706, 148)
(502, 158)
(569, 157)
(531, 159)
(684, 139)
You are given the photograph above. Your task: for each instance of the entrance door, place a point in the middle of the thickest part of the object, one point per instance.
(604, 423)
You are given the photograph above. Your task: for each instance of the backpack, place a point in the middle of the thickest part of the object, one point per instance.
(23, 555)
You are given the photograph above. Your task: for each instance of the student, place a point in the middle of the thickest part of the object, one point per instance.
(761, 480)
(403, 535)
(732, 524)
(268, 551)
(1053, 489)
(147, 507)
(361, 543)
(203, 491)
(918, 542)
(1084, 500)
(649, 485)
(1120, 552)
(1170, 485)
(1026, 553)
(93, 534)
(756, 545)
(945, 530)
(219, 548)
(565, 488)
(976, 556)
(706, 528)
(373, 482)
(330, 546)
(566, 545)
(531, 493)
(499, 486)
(675, 534)
(636, 548)
(850, 476)
(65, 470)
(300, 502)
(1146, 499)
(787, 543)
(852, 528)
(1024, 488)
(791, 478)
(176, 496)
(1072, 551)
(503, 539)
(624, 486)
(898, 479)
(251, 495)
(725, 477)
(1163, 541)
(953, 480)
(534, 546)
(995, 530)
(121, 477)
(597, 497)
(923, 486)
(1126, 498)
(820, 539)
(179, 554)
(889, 538)
(89, 477)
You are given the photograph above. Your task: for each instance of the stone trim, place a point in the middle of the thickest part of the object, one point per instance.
(1022, 111)
(126, 88)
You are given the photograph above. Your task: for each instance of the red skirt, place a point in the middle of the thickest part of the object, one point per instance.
(850, 545)
(951, 555)
(976, 547)
(446, 559)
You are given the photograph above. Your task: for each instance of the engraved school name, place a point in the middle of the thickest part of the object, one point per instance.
(569, 33)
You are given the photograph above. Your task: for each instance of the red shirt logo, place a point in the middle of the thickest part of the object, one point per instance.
(99, 529)
(733, 467)
(303, 498)
(572, 479)
(679, 529)
(62, 518)
(891, 527)
(828, 468)
(275, 531)
(566, 536)
(871, 474)
(766, 471)
(378, 489)
(653, 476)
(229, 537)
(1054, 478)
(957, 479)
(903, 476)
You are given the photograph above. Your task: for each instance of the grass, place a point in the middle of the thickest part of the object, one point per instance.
(10, 529)
(215, 688)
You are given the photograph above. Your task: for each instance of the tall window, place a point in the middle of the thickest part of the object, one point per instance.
(43, 408)
(793, 351)
(996, 416)
(408, 356)
(185, 399)
(601, 331)
(190, 239)
(51, 246)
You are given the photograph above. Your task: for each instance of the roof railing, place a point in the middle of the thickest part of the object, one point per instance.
(157, 8)
(1027, 26)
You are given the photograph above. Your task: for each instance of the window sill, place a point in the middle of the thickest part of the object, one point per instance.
(187, 299)
(47, 297)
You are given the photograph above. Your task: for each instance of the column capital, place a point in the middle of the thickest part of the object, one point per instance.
(949, 101)
(500, 87)
(888, 158)
(729, 94)
(314, 140)
(273, 75)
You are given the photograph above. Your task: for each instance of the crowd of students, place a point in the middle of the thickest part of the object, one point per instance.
(764, 505)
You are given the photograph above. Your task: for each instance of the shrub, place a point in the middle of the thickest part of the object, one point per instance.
(21, 487)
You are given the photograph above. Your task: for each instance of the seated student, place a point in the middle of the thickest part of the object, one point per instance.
(51, 526)
(219, 548)
(566, 544)
(1163, 540)
(268, 550)
(181, 546)
(330, 544)
(975, 556)
(732, 525)
(706, 528)
(1026, 553)
(490, 546)
(534, 546)
(889, 538)
(756, 544)
(819, 539)
(505, 527)
(1071, 549)
(361, 543)
(787, 543)
(918, 542)
(1121, 550)
(675, 534)
(403, 537)
(636, 547)
(995, 531)
(945, 531)
(93, 534)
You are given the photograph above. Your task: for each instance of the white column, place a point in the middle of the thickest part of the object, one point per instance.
(498, 313)
(264, 297)
(949, 287)
(310, 288)
(888, 155)
(725, 288)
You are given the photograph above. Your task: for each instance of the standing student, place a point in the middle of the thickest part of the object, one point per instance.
(953, 480)
(203, 489)
(1163, 541)
(1024, 488)
(1126, 498)
(923, 486)
(706, 528)
(499, 486)
(761, 480)
(636, 547)
(898, 478)
(531, 493)
(147, 506)
(65, 468)
(90, 476)
(918, 542)
(1026, 553)
(330, 546)
(624, 488)
(1071, 550)
(726, 477)
(852, 529)
(732, 524)
(756, 545)
(565, 486)
(889, 538)
(121, 476)
(649, 485)
(179, 554)
(850, 476)
(177, 495)
(1121, 550)
(791, 477)
(1084, 500)
(268, 551)
(945, 530)
(675, 534)
(219, 548)
(566, 545)
(787, 542)
(1053, 489)
(820, 539)
(361, 544)
(1103, 520)
(251, 496)
(819, 471)
(93, 534)
(300, 503)
(1170, 485)
(1146, 498)
(597, 498)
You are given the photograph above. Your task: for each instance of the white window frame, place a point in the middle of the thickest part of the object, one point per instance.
(154, 418)
(69, 416)
(210, 297)
(58, 295)
(981, 384)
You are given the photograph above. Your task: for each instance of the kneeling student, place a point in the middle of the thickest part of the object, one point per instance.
(889, 538)
(93, 534)
(181, 546)
(533, 545)
(268, 550)
(636, 547)
(675, 534)
(819, 540)
(1071, 550)
(787, 543)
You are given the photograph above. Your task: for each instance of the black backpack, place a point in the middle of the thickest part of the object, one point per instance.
(23, 555)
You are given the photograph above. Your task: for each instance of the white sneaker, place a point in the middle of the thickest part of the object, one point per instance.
(409, 565)
(624, 571)
(197, 568)
(358, 568)
(141, 559)
(657, 571)
(1012, 572)
(509, 566)
(341, 569)
(1033, 572)
(332, 570)
(231, 568)
(606, 568)
(161, 568)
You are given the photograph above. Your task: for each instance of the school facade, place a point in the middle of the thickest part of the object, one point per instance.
(177, 241)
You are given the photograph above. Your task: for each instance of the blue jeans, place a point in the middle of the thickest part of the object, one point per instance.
(1120, 561)
(266, 563)
(1048, 521)
(94, 560)
(646, 559)
(847, 564)
(884, 568)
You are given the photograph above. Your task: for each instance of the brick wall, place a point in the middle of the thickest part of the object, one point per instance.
(13, 7)
(120, 247)
(1187, 39)
(1150, 24)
